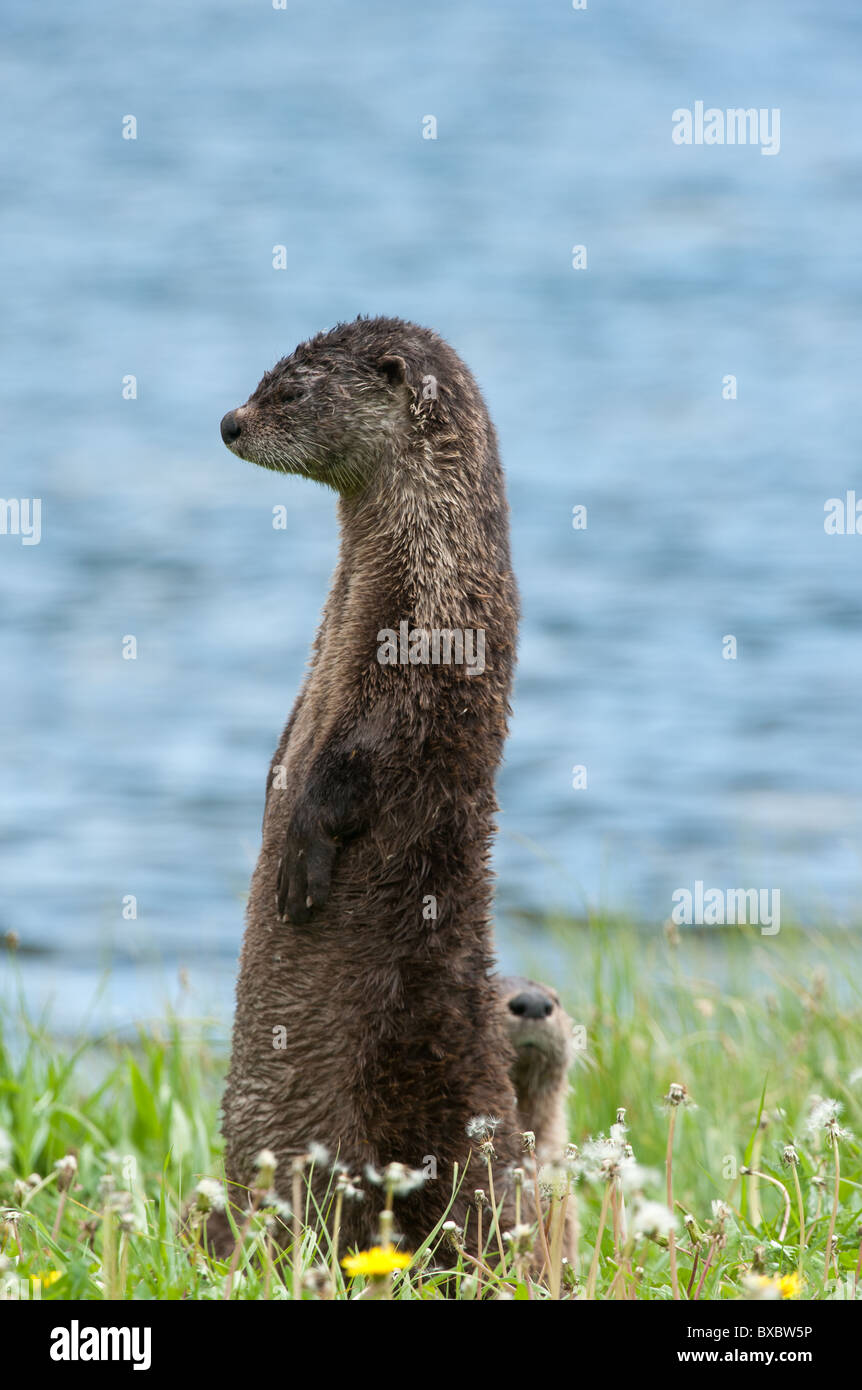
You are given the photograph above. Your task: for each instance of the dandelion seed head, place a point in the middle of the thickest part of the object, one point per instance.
(453, 1233)
(520, 1238)
(633, 1176)
(823, 1118)
(652, 1219)
(316, 1279)
(276, 1205)
(402, 1180)
(600, 1159)
(209, 1195)
(483, 1127)
(554, 1180)
(677, 1094)
(265, 1166)
(66, 1168)
(821, 1112)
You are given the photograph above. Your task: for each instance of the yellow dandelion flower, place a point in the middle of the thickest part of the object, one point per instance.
(377, 1260)
(48, 1278)
(788, 1286)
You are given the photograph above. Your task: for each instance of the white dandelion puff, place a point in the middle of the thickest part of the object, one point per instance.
(209, 1195)
(652, 1219)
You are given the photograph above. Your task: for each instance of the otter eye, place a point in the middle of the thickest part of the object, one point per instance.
(292, 393)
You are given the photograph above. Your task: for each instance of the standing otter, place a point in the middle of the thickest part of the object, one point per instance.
(365, 1019)
(540, 1031)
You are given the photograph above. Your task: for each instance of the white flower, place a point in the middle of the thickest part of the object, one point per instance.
(66, 1168)
(652, 1219)
(347, 1186)
(758, 1287)
(677, 1094)
(554, 1179)
(634, 1177)
(402, 1180)
(823, 1115)
(601, 1158)
(209, 1195)
(271, 1202)
(482, 1127)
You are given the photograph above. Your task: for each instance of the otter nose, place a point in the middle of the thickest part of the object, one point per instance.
(530, 1004)
(231, 428)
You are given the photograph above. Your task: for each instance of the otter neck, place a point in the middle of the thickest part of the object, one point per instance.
(414, 532)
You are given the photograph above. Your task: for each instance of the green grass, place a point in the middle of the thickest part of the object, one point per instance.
(752, 1027)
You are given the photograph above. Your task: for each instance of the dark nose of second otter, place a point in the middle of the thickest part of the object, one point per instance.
(531, 1005)
(231, 429)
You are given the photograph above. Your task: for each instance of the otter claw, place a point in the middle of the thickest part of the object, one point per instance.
(304, 875)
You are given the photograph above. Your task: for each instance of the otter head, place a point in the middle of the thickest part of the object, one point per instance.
(339, 405)
(538, 1029)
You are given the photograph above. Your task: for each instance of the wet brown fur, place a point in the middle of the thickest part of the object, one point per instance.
(361, 1024)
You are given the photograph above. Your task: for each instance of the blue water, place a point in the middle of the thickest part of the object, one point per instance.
(153, 257)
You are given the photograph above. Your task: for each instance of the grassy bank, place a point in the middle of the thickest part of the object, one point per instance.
(723, 1055)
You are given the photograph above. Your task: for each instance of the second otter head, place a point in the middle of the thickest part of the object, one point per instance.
(537, 1026)
(337, 405)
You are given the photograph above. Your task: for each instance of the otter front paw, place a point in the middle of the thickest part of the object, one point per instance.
(332, 810)
(304, 873)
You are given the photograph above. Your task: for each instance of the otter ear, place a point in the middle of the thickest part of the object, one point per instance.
(394, 368)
